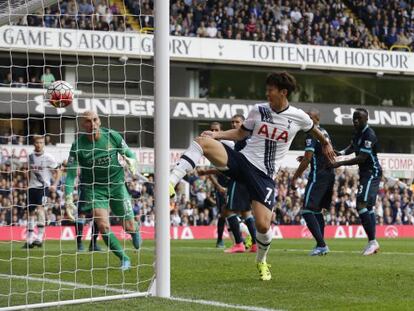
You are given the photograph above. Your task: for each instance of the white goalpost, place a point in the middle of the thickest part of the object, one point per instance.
(97, 47)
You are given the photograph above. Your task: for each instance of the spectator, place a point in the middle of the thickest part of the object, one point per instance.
(8, 79)
(19, 83)
(34, 83)
(47, 77)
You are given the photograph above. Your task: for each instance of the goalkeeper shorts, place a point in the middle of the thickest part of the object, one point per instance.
(115, 197)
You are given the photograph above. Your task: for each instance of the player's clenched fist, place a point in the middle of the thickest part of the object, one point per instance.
(210, 134)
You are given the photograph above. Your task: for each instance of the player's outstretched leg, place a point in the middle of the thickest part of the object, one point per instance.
(314, 227)
(233, 223)
(210, 148)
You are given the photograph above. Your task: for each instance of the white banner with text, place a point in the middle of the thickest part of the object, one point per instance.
(255, 53)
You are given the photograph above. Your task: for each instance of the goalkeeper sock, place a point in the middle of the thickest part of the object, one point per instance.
(186, 163)
(249, 221)
(233, 222)
(94, 235)
(113, 244)
(79, 231)
(263, 243)
(136, 236)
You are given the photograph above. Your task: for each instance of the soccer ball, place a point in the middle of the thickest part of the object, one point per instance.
(60, 94)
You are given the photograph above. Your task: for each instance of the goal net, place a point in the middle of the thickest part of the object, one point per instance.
(103, 48)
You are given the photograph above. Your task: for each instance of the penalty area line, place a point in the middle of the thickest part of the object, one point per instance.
(59, 282)
(221, 304)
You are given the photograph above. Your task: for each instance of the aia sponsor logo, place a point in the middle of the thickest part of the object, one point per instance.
(305, 233)
(272, 133)
(391, 232)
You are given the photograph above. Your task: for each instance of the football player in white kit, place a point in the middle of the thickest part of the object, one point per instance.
(272, 126)
(41, 167)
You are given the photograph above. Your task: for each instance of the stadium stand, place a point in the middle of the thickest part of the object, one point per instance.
(390, 21)
(358, 24)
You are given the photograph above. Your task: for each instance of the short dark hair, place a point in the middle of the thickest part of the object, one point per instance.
(363, 110)
(283, 81)
(238, 115)
(215, 123)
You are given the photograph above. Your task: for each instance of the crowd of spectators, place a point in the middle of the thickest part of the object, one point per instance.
(289, 21)
(370, 24)
(394, 205)
(80, 14)
(390, 21)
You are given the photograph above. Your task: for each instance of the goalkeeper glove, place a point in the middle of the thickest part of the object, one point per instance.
(132, 165)
(70, 207)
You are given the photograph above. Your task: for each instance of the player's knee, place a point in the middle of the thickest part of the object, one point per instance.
(129, 226)
(262, 226)
(104, 228)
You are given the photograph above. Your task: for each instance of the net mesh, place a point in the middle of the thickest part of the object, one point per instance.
(116, 87)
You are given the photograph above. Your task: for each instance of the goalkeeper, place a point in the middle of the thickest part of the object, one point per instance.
(102, 181)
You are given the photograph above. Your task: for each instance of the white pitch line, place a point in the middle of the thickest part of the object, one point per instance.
(58, 282)
(299, 250)
(222, 304)
(116, 290)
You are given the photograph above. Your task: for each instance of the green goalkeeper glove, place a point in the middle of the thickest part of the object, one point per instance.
(70, 207)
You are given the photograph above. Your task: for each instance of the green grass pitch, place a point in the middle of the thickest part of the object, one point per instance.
(342, 280)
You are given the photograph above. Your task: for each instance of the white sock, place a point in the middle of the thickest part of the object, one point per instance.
(244, 229)
(263, 243)
(187, 162)
(30, 230)
(40, 232)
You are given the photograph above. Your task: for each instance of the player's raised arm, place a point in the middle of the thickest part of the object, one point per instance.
(233, 134)
(348, 150)
(304, 163)
(359, 159)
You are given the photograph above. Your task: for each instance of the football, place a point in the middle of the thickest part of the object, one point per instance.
(60, 94)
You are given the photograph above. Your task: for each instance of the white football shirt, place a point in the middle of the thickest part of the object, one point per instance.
(272, 135)
(40, 166)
